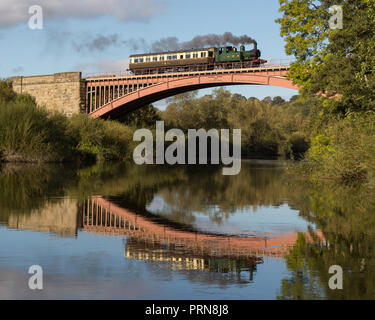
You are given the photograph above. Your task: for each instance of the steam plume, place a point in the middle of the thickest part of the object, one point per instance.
(210, 40)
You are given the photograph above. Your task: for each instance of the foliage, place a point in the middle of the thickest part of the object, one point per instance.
(269, 127)
(104, 140)
(338, 63)
(142, 118)
(344, 151)
(31, 133)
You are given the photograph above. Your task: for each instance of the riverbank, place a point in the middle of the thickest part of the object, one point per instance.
(30, 133)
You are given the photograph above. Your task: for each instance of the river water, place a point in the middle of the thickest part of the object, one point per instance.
(120, 231)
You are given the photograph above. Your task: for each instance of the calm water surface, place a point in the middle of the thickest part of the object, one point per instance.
(116, 231)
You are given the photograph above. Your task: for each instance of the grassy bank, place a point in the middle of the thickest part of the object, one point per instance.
(30, 133)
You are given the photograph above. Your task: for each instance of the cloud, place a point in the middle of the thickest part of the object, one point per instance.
(15, 12)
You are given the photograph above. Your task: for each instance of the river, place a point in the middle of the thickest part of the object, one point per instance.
(120, 231)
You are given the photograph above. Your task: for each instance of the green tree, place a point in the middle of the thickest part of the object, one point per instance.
(338, 63)
(278, 101)
(143, 117)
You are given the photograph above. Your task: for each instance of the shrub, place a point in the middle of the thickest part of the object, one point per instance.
(344, 150)
(99, 139)
(30, 133)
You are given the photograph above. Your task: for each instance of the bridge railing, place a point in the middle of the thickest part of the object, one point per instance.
(195, 68)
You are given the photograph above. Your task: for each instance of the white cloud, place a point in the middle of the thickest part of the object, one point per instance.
(15, 12)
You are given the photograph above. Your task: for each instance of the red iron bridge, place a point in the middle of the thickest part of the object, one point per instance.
(108, 96)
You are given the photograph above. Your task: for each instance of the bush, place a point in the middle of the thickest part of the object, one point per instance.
(99, 139)
(30, 133)
(344, 150)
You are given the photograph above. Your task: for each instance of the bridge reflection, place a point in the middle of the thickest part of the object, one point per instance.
(179, 258)
(152, 240)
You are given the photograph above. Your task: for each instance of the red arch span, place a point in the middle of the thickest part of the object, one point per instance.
(173, 86)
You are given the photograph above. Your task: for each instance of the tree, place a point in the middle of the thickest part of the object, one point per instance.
(277, 101)
(143, 117)
(294, 98)
(336, 63)
(267, 100)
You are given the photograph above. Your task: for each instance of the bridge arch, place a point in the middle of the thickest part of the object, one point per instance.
(167, 86)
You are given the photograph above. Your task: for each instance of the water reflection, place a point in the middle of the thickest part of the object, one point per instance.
(346, 216)
(228, 268)
(193, 225)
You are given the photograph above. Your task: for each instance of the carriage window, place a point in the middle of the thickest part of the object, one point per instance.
(188, 56)
(195, 55)
(210, 54)
(155, 59)
(181, 56)
(136, 60)
(141, 60)
(162, 58)
(174, 57)
(203, 54)
(169, 57)
(148, 59)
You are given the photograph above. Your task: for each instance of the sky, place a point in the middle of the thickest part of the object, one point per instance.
(97, 36)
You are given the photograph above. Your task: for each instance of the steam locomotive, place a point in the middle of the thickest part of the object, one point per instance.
(195, 60)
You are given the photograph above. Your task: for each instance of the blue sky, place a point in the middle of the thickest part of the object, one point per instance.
(73, 33)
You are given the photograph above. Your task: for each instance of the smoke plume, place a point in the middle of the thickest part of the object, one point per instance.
(100, 42)
(210, 40)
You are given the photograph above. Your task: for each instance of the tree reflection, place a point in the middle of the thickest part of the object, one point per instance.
(346, 217)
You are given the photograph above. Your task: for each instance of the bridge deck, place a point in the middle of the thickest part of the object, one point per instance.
(125, 77)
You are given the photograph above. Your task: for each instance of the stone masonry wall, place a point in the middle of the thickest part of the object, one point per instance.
(62, 92)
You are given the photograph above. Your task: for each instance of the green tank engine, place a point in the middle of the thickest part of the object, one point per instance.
(231, 54)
